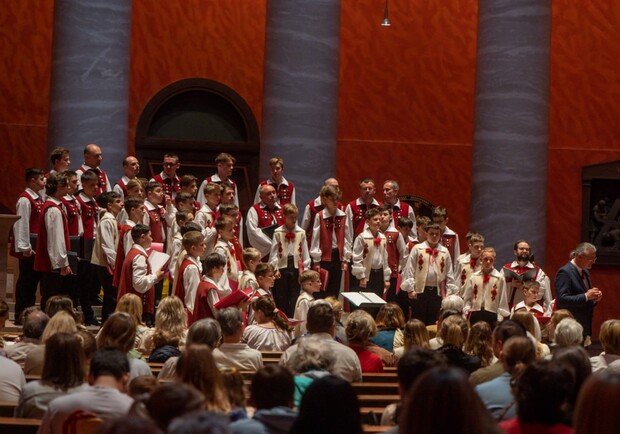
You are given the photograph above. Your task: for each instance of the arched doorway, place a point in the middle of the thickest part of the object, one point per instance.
(197, 119)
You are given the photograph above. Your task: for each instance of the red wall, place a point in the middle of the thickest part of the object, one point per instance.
(25, 61)
(406, 102)
(214, 39)
(584, 126)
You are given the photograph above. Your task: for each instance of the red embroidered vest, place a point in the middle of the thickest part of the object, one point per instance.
(267, 217)
(123, 187)
(89, 214)
(201, 303)
(391, 239)
(284, 192)
(72, 207)
(42, 259)
(402, 212)
(179, 289)
(157, 223)
(35, 217)
(120, 255)
(103, 179)
(169, 185)
(125, 285)
(359, 216)
(328, 227)
(449, 242)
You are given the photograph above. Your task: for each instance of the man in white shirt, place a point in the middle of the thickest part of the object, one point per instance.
(262, 220)
(12, 380)
(131, 168)
(92, 160)
(232, 353)
(106, 398)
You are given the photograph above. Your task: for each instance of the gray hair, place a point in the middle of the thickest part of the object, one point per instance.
(583, 248)
(393, 183)
(205, 331)
(230, 320)
(312, 353)
(360, 326)
(568, 332)
(453, 302)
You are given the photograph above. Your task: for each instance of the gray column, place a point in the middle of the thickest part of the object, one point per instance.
(90, 79)
(300, 105)
(509, 161)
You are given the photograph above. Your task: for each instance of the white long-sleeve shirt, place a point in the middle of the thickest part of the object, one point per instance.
(141, 280)
(21, 228)
(106, 241)
(54, 225)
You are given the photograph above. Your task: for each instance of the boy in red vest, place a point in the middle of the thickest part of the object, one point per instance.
(134, 207)
(207, 215)
(312, 209)
(396, 249)
(76, 230)
(232, 210)
(284, 189)
(88, 287)
(330, 246)
(208, 292)
(52, 258)
(104, 252)
(289, 256)
(190, 271)
(449, 238)
(136, 275)
(29, 206)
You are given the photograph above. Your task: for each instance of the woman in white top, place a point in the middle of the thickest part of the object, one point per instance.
(272, 332)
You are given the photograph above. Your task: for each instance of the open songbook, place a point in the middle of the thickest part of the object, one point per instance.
(364, 299)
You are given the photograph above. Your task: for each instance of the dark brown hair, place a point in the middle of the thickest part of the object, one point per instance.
(63, 366)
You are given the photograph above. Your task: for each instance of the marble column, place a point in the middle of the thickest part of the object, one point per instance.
(300, 103)
(90, 79)
(509, 176)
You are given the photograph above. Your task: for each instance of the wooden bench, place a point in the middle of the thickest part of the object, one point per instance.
(7, 409)
(370, 429)
(13, 425)
(377, 400)
(375, 388)
(155, 368)
(379, 377)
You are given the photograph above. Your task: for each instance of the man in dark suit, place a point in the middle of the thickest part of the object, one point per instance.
(574, 288)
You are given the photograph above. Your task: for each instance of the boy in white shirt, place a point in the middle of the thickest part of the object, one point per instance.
(208, 292)
(310, 284)
(224, 226)
(251, 258)
(190, 271)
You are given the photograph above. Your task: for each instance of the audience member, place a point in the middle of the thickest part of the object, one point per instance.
(173, 400)
(609, 336)
(132, 305)
(233, 353)
(170, 330)
(62, 322)
(415, 335)
(568, 332)
(360, 327)
(200, 422)
(271, 332)
(479, 343)
(389, 319)
(577, 359)
(596, 411)
(34, 321)
(12, 380)
(312, 360)
(454, 331)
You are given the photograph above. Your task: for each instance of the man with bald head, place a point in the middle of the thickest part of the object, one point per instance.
(92, 161)
(131, 168)
(399, 209)
(263, 218)
(312, 209)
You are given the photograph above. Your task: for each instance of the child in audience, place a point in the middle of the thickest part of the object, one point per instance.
(310, 283)
(272, 332)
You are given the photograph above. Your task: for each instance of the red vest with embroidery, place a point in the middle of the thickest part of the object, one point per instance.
(327, 230)
(35, 217)
(267, 217)
(449, 242)
(123, 187)
(210, 179)
(403, 211)
(120, 255)
(201, 303)
(89, 214)
(391, 239)
(179, 289)
(157, 223)
(284, 192)
(169, 185)
(72, 207)
(103, 183)
(359, 216)
(42, 259)
(125, 285)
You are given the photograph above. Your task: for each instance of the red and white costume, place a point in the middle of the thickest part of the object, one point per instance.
(137, 278)
(104, 182)
(53, 241)
(450, 240)
(429, 267)
(260, 216)
(488, 292)
(200, 196)
(403, 209)
(465, 266)
(515, 296)
(285, 191)
(356, 216)
(369, 253)
(289, 243)
(330, 232)
(169, 185)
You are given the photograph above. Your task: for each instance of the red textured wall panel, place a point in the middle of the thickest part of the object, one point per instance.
(584, 126)
(26, 28)
(406, 102)
(214, 39)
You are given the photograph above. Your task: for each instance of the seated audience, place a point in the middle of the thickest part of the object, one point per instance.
(272, 332)
(479, 343)
(415, 334)
(610, 340)
(61, 322)
(436, 342)
(63, 373)
(4, 315)
(442, 401)
(411, 365)
(312, 360)
(233, 353)
(360, 327)
(234, 385)
(170, 331)
(516, 355)
(389, 319)
(199, 422)
(172, 400)
(119, 332)
(340, 334)
(61, 303)
(541, 394)
(12, 380)
(568, 332)
(596, 411)
(454, 331)
(322, 325)
(206, 331)
(502, 332)
(132, 304)
(271, 393)
(129, 425)
(108, 378)
(336, 402)
(577, 359)
(34, 321)
(197, 368)
(527, 320)
(548, 332)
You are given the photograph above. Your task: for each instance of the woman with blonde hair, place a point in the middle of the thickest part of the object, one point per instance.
(454, 332)
(610, 340)
(132, 304)
(272, 332)
(340, 334)
(170, 326)
(360, 328)
(390, 319)
(197, 367)
(415, 334)
(479, 343)
(61, 322)
(548, 332)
